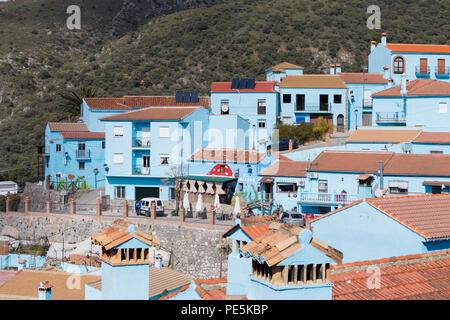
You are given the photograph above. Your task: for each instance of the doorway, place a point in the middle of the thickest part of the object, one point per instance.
(340, 123)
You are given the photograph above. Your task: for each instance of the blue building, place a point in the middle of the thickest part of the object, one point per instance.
(387, 227)
(421, 102)
(417, 61)
(146, 148)
(283, 69)
(277, 261)
(259, 105)
(74, 157)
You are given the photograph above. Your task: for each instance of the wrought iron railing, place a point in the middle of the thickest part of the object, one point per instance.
(391, 116)
(313, 108)
(139, 170)
(442, 71)
(83, 154)
(422, 70)
(328, 197)
(141, 142)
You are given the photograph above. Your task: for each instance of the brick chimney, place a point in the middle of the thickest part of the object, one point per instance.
(372, 45)
(332, 69)
(45, 290)
(384, 39)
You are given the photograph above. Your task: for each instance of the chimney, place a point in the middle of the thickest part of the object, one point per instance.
(386, 72)
(332, 71)
(372, 45)
(45, 290)
(158, 261)
(403, 89)
(384, 39)
(338, 68)
(390, 82)
(21, 264)
(381, 175)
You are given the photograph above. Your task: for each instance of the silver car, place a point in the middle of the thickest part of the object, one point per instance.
(294, 218)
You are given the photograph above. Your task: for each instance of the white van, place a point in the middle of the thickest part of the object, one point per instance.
(147, 203)
(8, 187)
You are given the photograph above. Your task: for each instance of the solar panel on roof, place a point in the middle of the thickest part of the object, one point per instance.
(250, 83)
(243, 84)
(178, 97)
(194, 97)
(235, 83)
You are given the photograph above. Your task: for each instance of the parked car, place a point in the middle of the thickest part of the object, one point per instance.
(293, 218)
(283, 144)
(147, 203)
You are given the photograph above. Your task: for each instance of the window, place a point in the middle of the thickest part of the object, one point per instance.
(103, 144)
(286, 98)
(81, 165)
(120, 192)
(323, 186)
(118, 131)
(262, 106)
(398, 187)
(300, 105)
(164, 132)
(164, 159)
(399, 65)
(436, 151)
(286, 187)
(58, 148)
(118, 158)
(172, 193)
(337, 98)
(442, 107)
(261, 124)
(224, 106)
(146, 161)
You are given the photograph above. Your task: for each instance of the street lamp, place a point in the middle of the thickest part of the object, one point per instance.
(356, 119)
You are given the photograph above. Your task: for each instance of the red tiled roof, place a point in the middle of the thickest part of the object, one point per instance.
(83, 260)
(359, 77)
(350, 161)
(312, 81)
(418, 164)
(67, 127)
(83, 135)
(410, 277)
(106, 104)
(286, 169)
(427, 215)
(381, 135)
(285, 65)
(253, 226)
(260, 86)
(114, 236)
(154, 113)
(130, 102)
(227, 155)
(419, 87)
(420, 48)
(433, 137)
(5, 276)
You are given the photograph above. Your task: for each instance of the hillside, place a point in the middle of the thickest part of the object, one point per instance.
(162, 53)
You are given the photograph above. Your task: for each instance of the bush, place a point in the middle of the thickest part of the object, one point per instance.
(305, 131)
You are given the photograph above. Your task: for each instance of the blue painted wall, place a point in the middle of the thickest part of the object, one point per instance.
(12, 260)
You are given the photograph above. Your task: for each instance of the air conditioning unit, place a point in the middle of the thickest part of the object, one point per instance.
(301, 183)
(313, 175)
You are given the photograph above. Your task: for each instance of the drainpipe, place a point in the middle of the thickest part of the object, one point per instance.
(381, 175)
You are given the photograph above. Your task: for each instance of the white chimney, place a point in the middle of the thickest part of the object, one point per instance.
(45, 291)
(384, 39)
(158, 261)
(390, 82)
(372, 45)
(338, 68)
(403, 89)
(386, 72)
(332, 71)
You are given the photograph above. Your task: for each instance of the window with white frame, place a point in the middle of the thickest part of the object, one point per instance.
(164, 132)
(164, 159)
(120, 192)
(118, 131)
(398, 187)
(118, 158)
(323, 186)
(442, 107)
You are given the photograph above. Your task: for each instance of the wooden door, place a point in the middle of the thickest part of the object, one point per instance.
(423, 66)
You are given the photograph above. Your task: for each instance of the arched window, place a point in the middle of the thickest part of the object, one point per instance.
(399, 65)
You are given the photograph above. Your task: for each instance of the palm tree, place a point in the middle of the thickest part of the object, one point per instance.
(74, 98)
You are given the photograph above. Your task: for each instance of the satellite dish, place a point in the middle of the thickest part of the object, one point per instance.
(224, 108)
(378, 193)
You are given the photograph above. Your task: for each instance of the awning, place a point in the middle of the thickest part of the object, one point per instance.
(364, 177)
(212, 178)
(266, 180)
(436, 183)
(398, 184)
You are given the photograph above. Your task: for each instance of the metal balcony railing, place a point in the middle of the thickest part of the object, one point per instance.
(391, 116)
(328, 198)
(313, 108)
(367, 103)
(141, 142)
(83, 154)
(442, 71)
(422, 70)
(139, 170)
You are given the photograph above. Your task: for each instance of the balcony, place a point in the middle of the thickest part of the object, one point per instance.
(83, 154)
(139, 170)
(442, 72)
(327, 198)
(422, 71)
(141, 143)
(319, 108)
(391, 117)
(367, 103)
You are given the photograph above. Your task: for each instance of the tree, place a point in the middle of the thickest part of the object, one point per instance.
(177, 178)
(74, 98)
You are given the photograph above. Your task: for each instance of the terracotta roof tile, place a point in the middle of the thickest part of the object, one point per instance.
(106, 104)
(286, 169)
(312, 81)
(83, 135)
(433, 137)
(227, 155)
(260, 86)
(5, 276)
(419, 87)
(67, 127)
(154, 113)
(419, 48)
(130, 102)
(373, 78)
(162, 279)
(114, 236)
(418, 164)
(285, 65)
(383, 136)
